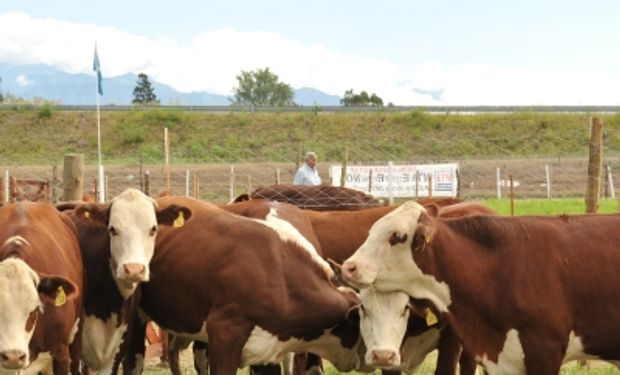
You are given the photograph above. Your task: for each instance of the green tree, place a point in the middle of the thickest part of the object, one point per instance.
(144, 93)
(1, 97)
(261, 88)
(351, 99)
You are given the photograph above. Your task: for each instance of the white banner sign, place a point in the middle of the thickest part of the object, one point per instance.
(399, 181)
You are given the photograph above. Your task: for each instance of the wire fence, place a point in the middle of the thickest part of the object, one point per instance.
(541, 164)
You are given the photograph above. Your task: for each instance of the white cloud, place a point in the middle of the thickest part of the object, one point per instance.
(22, 80)
(211, 61)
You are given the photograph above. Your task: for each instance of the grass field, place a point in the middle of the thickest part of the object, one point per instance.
(548, 206)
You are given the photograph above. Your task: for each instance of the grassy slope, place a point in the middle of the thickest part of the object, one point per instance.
(33, 136)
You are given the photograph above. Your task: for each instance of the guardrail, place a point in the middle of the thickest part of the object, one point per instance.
(430, 109)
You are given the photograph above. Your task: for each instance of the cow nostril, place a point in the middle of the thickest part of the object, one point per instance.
(350, 268)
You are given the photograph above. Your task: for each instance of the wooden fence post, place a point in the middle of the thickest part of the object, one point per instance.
(595, 165)
(147, 183)
(343, 170)
(73, 177)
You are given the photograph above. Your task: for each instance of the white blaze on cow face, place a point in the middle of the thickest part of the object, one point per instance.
(383, 324)
(132, 227)
(20, 305)
(385, 259)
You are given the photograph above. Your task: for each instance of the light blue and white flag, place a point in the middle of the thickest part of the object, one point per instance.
(97, 69)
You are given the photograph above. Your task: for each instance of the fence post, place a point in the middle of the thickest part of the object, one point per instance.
(231, 191)
(547, 181)
(498, 183)
(610, 182)
(277, 176)
(73, 177)
(594, 165)
(389, 187)
(147, 183)
(343, 170)
(512, 197)
(187, 182)
(6, 186)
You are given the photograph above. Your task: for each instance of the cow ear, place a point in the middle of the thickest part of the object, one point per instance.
(432, 209)
(424, 233)
(56, 290)
(173, 215)
(93, 213)
(353, 314)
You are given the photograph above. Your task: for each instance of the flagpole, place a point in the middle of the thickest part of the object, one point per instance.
(100, 192)
(100, 181)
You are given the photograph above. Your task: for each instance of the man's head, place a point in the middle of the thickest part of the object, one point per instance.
(310, 158)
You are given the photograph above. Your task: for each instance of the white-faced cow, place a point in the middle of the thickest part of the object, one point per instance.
(40, 290)
(524, 294)
(399, 333)
(253, 289)
(117, 241)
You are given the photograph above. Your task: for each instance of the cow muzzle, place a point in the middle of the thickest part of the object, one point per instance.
(13, 359)
(384, 358)
(353, 273)
(134, 272)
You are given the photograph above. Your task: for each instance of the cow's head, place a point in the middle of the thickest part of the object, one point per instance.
(383, 324)
(24, 296)
(132, 220)
(387, 259)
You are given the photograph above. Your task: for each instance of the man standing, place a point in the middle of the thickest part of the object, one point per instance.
(307, 173)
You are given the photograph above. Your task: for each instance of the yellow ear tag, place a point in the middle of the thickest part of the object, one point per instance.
(179, 221)
(61, 297)
(87, 214)
(430, 318)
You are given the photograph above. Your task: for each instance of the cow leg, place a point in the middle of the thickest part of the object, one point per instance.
(61, 361)
(271, 369)
(467, 363)
(227, 335)
(175, 344)
(314, 364)
(133, 362)
(449, 350)
(390, 372)
(201, 357)
(543, 354)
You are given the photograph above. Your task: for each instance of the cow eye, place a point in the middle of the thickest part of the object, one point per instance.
(113, 231)
(153, 231)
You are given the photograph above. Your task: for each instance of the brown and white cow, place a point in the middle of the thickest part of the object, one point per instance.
(253, 289)
(40, 290)
(524, 294)
(117, 241)
(399, 333)
(264, 210)
(340, 234)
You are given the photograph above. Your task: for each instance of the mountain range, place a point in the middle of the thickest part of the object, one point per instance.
(42, 81)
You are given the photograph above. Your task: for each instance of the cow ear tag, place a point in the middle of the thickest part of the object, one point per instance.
(87, 214)
(430, 318)
(179, 221)
(61, 297)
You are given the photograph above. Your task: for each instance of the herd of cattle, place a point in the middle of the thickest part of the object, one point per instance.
(253, 281)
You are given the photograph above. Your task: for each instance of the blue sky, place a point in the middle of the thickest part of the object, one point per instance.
(407, 52)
